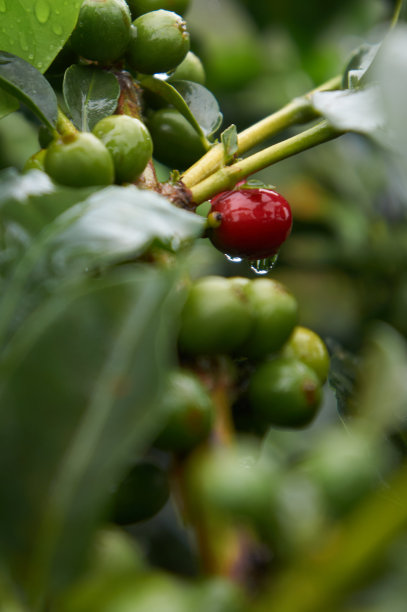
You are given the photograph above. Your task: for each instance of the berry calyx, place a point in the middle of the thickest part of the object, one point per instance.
(103, 30)
(254, 224)
(128, 141)
(159, 41)
(82, 161)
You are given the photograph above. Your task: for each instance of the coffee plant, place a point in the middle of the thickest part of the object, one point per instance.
(203, 357)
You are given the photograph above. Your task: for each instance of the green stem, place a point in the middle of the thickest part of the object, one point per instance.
(226, 178)
(65, 127)
(297, 111)
(396, 13)
(325, 577)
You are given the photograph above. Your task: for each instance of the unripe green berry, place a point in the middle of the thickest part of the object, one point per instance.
(275, 313)
(305, 345)
(232, 481)
(103, 30)
(141, 494)
(190, 69)
(189, 413)
(284, 392)
(159, 41)
(128, 141)
(176, 143)
(82, 161)
(216, 318)
(139, 7)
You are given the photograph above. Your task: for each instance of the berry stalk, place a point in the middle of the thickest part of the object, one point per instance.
(297, 111)
(226, 178)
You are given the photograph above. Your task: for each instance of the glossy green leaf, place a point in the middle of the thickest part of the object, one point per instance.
(229, 141)
(36, 30)
(8, 103)
(120, 222)
(51, 234)
(202, 104)
(78, 393)
(200, 111)
(26, 83)
(357, 110)
(90, 95)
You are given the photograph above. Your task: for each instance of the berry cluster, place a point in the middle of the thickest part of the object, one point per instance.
(275, 373)
(125, 38)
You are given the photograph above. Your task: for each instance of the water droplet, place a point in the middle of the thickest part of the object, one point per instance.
(263, 266)
(31, 56)
(233, 259)
(163, 76)
(23, 41)
(3, 7)
(57, 29)
(42, 10)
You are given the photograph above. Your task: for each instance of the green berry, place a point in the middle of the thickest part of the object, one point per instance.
(159, 41)
(305, 345)
(275, 313)
(128, 141)
(190, 69)
(36, 161)
(216, 318)
(284, 392)
(176, 142)
(82, 161)
(189, 413)
(232, 481)
(347, 463)
(139, 7)
(141, 494)
(103, 30)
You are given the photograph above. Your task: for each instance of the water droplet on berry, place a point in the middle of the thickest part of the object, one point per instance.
(3, 6)
(263, 266)
(233, 259)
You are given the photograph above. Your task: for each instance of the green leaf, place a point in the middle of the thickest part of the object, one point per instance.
(199, 106)
(121, 222)
(36, 30)
(90, 95)
(52, 234)
(229, 141)
(26, 83)
(358, 65)
(202, 104)
(352, 110)
(79, 391)
(8, 103)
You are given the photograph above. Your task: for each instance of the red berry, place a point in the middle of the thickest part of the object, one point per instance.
(253, 222)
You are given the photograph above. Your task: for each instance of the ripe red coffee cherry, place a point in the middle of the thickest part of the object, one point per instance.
(254, 223)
